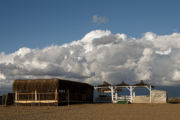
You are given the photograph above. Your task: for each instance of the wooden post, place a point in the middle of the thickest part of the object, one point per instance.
(6, 99)
(131, 94)
(134, 93)
(116, 95)
(112, 92)
(150, 94)
(16, 96)
(32, 98)
(35, 95)
(68, 96)
(56, 94)
(27, 98)
(39, 98)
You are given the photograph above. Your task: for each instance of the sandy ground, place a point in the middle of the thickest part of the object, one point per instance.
(93, 112)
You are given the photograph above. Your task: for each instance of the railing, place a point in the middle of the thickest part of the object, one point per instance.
(36, 96)
(119, 98)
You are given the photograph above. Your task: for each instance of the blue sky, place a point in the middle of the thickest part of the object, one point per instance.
(40, 23)
(32, 33)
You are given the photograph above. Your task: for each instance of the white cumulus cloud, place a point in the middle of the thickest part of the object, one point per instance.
(99, 56)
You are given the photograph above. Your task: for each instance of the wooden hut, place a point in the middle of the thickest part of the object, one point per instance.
(52, 92)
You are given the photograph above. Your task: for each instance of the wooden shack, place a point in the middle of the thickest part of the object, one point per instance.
(52, 92)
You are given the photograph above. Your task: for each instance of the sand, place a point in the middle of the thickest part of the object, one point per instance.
(93, 112)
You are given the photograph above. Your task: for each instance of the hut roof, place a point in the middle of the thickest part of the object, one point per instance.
(42, 85)
(122, 84)
(142, 83)
(104, 84)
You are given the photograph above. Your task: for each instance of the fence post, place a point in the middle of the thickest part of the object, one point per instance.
(6, 100)
(32, 99)
(68, 96)
(56, 95)
(16, 96)
(39, 98)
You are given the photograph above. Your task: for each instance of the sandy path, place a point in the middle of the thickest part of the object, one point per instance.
(93, 112)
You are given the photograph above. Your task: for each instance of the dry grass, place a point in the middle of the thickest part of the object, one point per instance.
(93, 112)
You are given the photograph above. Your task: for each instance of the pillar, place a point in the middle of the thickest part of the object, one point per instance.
(56, 94)
(16, 96)
(150, 94)
(112, 92)
(131, 94)
(133, 91)
(116, 95)
(35, 95)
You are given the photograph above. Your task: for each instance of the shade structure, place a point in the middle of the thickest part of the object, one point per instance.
(56, 91)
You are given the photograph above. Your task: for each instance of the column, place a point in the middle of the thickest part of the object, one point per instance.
(112, 92)
(134, 94)
(131, 94)
(16, 97)
(116, 95)
(35, 95)
(56, 94)
(150, 94)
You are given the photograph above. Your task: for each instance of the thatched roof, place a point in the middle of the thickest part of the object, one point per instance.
(122, 84)
(104, 84)
(142, 83)
(38, 84)
(43, 85)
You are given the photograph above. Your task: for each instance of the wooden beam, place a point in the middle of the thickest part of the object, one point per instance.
(37, 101)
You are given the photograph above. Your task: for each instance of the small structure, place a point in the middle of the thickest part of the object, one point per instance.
(52, 92)
(159, 96)
(155, 96)
(7, 99)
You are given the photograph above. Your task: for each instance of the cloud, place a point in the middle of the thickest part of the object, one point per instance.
(99, 56)
(166, 52)
(99, 19)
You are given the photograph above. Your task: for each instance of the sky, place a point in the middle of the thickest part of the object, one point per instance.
(40, 23)
(90, 40)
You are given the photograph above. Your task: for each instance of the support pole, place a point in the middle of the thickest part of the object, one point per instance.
(39, 98)
(6, 100)
(150, 94)
(56, 94)
(131, 94)
(68, 96)
(134, 93)
(35, 95)
(16, 96)
(112, 92)
(116, 95)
